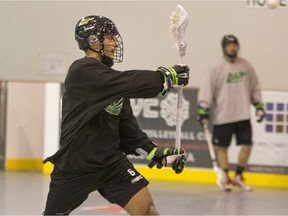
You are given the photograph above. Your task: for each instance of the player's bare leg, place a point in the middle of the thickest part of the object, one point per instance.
(243, 157)
(141, 204)
(222, 153)
(223, 160)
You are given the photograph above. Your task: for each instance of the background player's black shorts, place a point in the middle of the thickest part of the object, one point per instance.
(222, 134)
(118, 184)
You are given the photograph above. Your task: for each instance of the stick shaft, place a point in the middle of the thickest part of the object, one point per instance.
(178, 117)
(179, 112)
(209, 142)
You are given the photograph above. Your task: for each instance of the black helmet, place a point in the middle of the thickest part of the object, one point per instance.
(93, 28)
(229, 39)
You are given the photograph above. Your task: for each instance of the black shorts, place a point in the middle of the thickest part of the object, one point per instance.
(118, 184)
(222, 134)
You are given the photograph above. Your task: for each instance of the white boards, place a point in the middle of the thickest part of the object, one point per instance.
(37, 37)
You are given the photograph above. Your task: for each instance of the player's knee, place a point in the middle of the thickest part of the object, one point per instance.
(152, 210)
(246, 148)
(146, 208)
(222, 149)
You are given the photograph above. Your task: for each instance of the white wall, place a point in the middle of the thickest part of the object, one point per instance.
(25, 120)
(32, 129)
(30, 29)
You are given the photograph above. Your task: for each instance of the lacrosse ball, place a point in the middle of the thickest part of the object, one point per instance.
(272, 4)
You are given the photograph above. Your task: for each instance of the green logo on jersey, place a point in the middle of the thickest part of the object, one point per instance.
(235, 77)
(115, 107)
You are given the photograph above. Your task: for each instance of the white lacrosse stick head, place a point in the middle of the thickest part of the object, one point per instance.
(179, 22)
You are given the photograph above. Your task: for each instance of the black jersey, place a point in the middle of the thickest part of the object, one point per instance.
(98, 125)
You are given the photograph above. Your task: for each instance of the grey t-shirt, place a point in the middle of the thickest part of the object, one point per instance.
(229, 89)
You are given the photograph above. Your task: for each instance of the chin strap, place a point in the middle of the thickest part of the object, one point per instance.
(105, 60)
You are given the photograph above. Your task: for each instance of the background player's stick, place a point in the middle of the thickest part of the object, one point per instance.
(179, 21)
(219, 172)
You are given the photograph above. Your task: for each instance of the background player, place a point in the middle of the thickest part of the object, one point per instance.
(229, 89)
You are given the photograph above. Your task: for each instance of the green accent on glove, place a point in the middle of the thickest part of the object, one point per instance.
(159, 157)
(151, 154)
(165, 151)
(174, 75)
(259, 106)
(167, 82)
(203, 112)
(203, 116)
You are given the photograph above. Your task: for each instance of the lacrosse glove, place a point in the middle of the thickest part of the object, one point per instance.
(167, 156)
(203, 116)
(179, 164)
(176, 75)
(260, 113)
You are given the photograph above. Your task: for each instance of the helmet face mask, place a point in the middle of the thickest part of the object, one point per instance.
(92, 29)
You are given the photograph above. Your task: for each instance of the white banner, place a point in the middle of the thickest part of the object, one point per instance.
(271, 136)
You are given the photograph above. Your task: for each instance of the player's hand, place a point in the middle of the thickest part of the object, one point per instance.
(260, 113)
(179, 165)
(167, 157)
(203, 116)
(182, 74)
(176, 75)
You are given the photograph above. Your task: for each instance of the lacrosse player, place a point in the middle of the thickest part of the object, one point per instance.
(229, 89)
(98, 129)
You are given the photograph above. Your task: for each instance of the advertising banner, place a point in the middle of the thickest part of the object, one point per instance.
(157, 118)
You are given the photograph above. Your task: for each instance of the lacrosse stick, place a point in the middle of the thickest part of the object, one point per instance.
(179, 21)
(221, 175)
